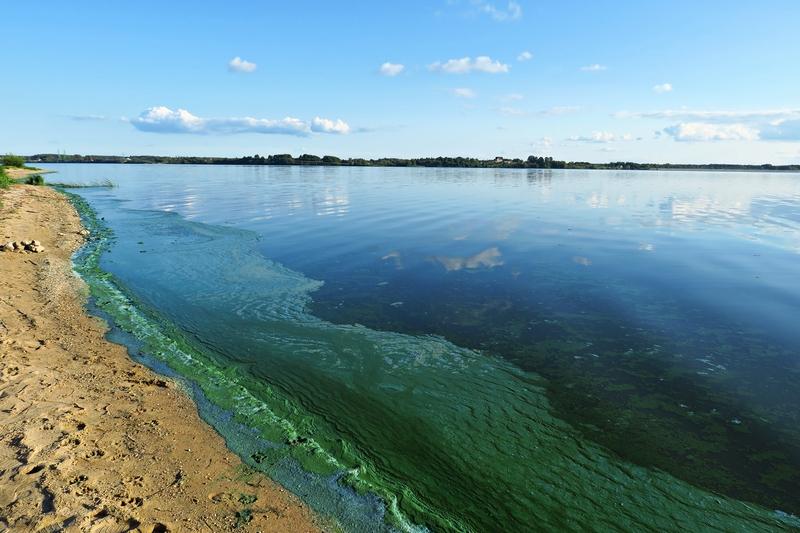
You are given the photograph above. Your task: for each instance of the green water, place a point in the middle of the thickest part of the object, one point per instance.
(448, 438)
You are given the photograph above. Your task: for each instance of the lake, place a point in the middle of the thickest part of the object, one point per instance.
(473, 349)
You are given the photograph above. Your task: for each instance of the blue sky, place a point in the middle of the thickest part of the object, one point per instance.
(675, 81)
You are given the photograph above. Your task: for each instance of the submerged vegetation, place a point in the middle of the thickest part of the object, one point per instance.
(106, 183)
(330, 160)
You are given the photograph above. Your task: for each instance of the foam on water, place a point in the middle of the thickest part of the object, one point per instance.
(378, 429)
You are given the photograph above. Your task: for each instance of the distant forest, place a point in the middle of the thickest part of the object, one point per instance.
(329, 160)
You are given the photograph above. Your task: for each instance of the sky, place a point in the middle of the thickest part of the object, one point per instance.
(601, 80)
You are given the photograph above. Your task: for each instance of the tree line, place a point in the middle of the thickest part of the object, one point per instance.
(450, 162)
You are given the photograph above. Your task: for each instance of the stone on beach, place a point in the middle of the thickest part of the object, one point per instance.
(22, 246)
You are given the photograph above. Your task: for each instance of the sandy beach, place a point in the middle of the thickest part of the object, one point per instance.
(89, 439)
(18, 173)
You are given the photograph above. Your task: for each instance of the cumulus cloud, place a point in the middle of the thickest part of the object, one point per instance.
(662, 88)
(165, 120)
(391, 69)
(594, 68)
(764, 115)
(512, 10)
(602, 137)
(237, 64)
(525, 56)
(324, 125)
(463, 92)
(715, 125)
(466, 65)
(704, 131)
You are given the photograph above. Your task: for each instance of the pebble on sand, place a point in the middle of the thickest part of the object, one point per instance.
(22, 246)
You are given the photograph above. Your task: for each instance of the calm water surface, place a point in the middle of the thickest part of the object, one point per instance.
(467, 348)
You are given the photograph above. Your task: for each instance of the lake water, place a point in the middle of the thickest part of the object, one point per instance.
(473, 349)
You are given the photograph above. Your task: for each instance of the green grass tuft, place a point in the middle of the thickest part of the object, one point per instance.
(243, 517)
(5, 181)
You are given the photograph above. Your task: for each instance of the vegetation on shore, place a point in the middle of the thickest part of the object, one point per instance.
(11, 160)
(5, 181)
(329, 160)
(17, 162)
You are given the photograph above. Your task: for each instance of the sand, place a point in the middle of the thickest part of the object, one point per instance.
(17, 173)
(89, 439)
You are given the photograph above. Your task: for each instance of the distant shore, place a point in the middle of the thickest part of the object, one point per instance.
(91, 440)
(531, 162)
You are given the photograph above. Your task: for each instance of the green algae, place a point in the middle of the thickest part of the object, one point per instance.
(446, 437)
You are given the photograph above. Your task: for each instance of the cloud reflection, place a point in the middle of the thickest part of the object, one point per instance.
(489, 258)
(395, 256)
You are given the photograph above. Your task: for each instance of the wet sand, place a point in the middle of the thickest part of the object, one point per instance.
(89, 439)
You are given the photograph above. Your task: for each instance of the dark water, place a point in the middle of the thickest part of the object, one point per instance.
(477, 349)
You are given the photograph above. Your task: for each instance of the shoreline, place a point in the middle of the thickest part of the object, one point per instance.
(90, 438)
(19, 173)
(701, 167)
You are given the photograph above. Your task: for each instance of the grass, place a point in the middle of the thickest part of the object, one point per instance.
(5, 181)
(243, 517)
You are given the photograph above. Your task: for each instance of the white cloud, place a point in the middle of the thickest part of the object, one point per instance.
(715, 125)
(525, 56)
(594, 68)
(466, 65)
(391, 69)
(662, 88)
(703, 131)
(86, 118)
(764, 115)
(237, 64)
(510, 111)
(512, 11)
(164, 120)
(512, 97)
(782, 130)
(324, 125)
(602, 137)
(551, 112)
(463, 92)
(560, 110)
(545, 143)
